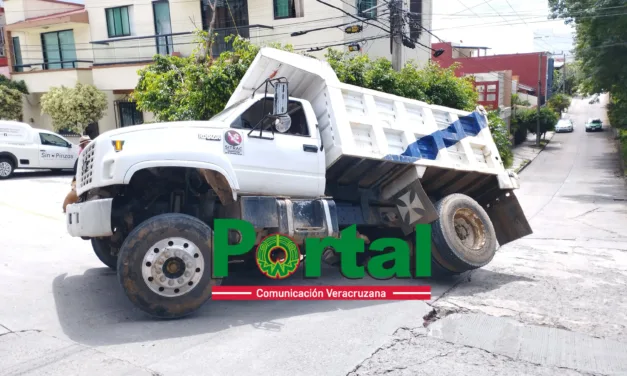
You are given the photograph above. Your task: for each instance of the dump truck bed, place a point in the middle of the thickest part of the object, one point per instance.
(357, 123)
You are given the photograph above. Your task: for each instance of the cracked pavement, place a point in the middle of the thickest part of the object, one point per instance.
(548, 304)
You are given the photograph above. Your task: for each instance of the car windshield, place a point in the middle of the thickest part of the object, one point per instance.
(596, 121)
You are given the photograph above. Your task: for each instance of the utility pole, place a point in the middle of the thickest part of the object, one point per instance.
(396, 28)
(564, 74)
(539, 96)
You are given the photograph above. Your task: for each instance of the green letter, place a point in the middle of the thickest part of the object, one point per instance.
(221, 247)
(351, 244)
(347, 245)
(400, 258)
(423, 250)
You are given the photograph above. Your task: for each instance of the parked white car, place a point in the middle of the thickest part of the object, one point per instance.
(25, 147)
(564, 125)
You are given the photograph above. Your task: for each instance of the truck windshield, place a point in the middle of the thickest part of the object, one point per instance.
(227, 111)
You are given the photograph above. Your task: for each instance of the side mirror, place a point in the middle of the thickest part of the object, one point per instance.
(280, 98)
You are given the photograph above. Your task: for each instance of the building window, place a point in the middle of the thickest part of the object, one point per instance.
(118, 24)
(163, 26)
(2, 42)
(231, 19)
(415, 19)
(284, 9)
(17, 55)
(481, 97)
(129, 114)
(363, 5)
(59, 50)
(480, 88)
(491, 97)
(491, 88)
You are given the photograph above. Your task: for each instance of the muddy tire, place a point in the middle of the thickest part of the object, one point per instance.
(463, 235)
(165, 264)
(105, 252)
(7, 167)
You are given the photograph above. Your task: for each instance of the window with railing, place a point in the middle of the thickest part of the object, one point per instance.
(58, 49)
(366, 9)
(284, 9)
(231, 19)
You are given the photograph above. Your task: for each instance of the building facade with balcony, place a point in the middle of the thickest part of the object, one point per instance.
(52, 43)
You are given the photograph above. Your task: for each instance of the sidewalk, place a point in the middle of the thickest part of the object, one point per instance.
(526, 152)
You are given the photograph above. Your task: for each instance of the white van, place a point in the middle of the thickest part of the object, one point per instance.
(25, 147)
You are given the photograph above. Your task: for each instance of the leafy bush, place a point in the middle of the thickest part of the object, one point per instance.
(191, 88)
(498, 128)
(73, 109)
(528, 118)
(559, 102)
(10, 103)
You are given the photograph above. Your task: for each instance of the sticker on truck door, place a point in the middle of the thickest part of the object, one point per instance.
(233, 143)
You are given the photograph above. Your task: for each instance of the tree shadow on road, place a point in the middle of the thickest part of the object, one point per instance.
(93, 309)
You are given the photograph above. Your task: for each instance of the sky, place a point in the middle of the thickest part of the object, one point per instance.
(506, 26)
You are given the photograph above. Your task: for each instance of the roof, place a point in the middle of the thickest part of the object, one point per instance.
(74, 15)
(485, 48)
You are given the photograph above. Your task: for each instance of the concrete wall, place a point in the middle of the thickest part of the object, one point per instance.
(20, 10)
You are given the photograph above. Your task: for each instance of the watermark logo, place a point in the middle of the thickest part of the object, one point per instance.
(278, 256)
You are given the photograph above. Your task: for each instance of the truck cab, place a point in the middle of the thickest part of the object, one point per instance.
(25, 147)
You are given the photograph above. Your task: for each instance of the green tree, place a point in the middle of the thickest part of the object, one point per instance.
(498, 128)
(10, 103)
(194, 88)
(529, 118)
(17, 85)
(559, 102)
(74, 108)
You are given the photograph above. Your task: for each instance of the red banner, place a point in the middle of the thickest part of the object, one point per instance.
(321, 293)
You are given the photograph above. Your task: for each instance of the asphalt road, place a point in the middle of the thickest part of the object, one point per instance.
(548, 304)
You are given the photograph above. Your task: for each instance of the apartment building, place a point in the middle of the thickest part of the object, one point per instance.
(52, 42)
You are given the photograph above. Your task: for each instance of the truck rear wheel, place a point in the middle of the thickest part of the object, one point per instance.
(463, 235)
(105, 252)
(6, 168)
(165, 264)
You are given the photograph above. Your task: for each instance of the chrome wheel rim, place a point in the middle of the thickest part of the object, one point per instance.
(5, 169)
(173, 267)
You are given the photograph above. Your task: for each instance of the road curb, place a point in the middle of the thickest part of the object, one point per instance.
(525, 165)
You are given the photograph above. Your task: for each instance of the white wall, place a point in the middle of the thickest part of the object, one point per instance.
(19, 10)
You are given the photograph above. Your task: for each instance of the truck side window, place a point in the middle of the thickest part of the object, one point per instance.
(249, 118)
(52, 140)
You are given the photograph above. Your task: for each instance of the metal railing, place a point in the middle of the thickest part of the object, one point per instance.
(142, 49)
(52, 65)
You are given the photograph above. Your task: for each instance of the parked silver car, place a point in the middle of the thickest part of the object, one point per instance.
(564, 125)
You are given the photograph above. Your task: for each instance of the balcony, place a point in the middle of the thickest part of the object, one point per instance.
(41, 76)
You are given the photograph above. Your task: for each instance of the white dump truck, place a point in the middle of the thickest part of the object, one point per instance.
(294, 152)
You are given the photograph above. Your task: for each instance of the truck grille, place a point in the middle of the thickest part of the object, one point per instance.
(87, 166)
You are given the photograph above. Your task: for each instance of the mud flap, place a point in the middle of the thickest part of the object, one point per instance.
(508, 218)
(414, 206)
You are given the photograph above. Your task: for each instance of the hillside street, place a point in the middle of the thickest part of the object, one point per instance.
(550, 303)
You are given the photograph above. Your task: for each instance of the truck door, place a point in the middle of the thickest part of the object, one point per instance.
(55, 152)
(289, 164)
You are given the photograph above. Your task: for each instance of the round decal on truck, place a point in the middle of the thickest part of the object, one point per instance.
(233, 143)
(233, 138)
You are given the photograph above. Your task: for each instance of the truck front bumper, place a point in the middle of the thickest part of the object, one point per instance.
(89, 219)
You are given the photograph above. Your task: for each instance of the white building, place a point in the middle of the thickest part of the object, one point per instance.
(52, 43)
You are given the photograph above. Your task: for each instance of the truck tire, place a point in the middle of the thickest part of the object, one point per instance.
(165, 264)
(7, 167)
(105, 252)
(463, 235)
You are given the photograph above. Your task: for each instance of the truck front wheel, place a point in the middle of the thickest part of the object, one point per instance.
(165, 264)
(105, 252)
(463, 235)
